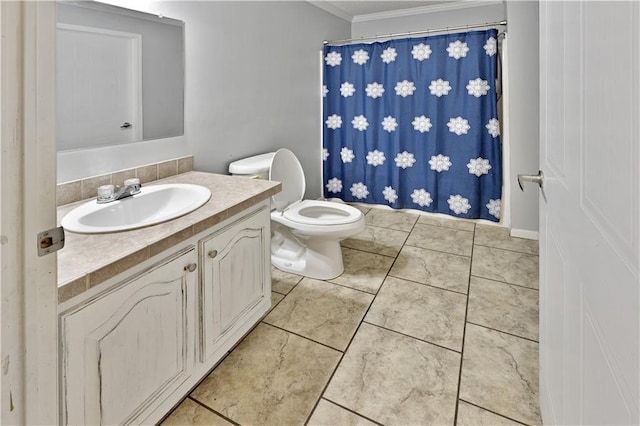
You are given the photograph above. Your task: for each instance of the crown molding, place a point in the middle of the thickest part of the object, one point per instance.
(445, 7)
(328, 7)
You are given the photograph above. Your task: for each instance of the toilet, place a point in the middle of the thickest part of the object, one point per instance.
(305, 234)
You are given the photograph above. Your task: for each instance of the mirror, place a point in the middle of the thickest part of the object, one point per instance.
(120, 75)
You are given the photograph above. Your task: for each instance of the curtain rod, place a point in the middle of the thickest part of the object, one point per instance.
(409, 33)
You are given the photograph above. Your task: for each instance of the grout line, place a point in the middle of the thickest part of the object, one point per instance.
(505, 282)
(444, 227)
(440, 251)
(352, 288)
(491, 411)
(211, 370)
(324, 389)
(213, 411)
(392, 229)
(464, 333)
(412, 337)
(371, 252)
(350, 410)
(511, 250)
(501, 331)
(428, 285)
(300, 335)
(273, 307)
(284, 294)
(334, 283)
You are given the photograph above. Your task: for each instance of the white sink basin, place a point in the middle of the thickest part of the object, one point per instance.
(154, 204)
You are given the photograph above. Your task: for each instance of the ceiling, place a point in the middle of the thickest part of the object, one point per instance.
(350, 9)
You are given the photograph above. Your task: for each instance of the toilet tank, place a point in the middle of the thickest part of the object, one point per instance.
(256, 167)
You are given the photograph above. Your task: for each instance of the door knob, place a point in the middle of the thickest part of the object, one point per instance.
(191, 267)
(539, 179)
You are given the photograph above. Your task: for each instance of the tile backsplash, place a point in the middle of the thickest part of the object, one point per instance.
(70, 192)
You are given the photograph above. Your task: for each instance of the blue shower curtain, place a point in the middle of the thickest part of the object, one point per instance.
(412, 123)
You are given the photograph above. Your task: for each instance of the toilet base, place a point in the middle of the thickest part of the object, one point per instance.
(316, 257)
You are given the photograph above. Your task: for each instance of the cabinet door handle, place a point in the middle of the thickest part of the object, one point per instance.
(213, 253)
(191, 267)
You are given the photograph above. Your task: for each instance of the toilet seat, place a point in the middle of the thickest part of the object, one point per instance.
(321, 213)
(300, 213)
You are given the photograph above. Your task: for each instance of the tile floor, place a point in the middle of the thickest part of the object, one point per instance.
(434, 321)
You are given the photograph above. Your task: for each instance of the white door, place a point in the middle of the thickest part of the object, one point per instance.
(28, 287)
(98, 87)
(589, 217)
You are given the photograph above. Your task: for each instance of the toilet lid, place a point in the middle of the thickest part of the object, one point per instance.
(286, 169)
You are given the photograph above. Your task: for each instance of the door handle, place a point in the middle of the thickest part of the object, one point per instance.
(125, 125)
(539, 179)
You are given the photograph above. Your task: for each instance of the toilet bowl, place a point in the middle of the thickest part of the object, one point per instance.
(305, 234)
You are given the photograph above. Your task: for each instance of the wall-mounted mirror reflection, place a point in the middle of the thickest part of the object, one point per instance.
(120, 75)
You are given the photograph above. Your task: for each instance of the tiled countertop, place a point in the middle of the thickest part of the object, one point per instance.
(89, 259)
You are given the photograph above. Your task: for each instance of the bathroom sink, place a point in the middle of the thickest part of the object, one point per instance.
(154, 204)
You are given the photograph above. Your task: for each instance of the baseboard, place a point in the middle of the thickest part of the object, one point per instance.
(523, 233)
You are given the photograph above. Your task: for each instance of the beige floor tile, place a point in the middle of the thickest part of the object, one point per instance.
(470, 415)
(329, 414)
(438, 269)
(392, 219)
(394, 379)
(192, 413)
(505, 265)
(438, 238)
(498, 237)
(272, 378)
(322, 311)
(500, 373)
(362, 208)
(463, 225)
(373, 239)
(283, 282)
(504, 307)
(363, 271)
(421, 311)
(275, 299)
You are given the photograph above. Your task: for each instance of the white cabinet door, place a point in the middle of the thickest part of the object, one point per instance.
(125, 350)
(236, 278)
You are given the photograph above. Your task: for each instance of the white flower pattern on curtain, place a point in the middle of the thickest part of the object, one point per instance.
(413, 123)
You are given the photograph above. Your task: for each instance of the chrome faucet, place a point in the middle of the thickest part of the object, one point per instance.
(106, 193)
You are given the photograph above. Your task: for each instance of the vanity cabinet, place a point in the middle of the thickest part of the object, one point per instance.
(234, 274)
(129, 347)
(134, 346)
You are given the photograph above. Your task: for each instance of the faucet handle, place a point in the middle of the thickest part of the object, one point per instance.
(105, 193)
(134, 184)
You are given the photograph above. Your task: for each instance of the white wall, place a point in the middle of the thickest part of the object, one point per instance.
(252, 85)
(253, 80)
(522, 31)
